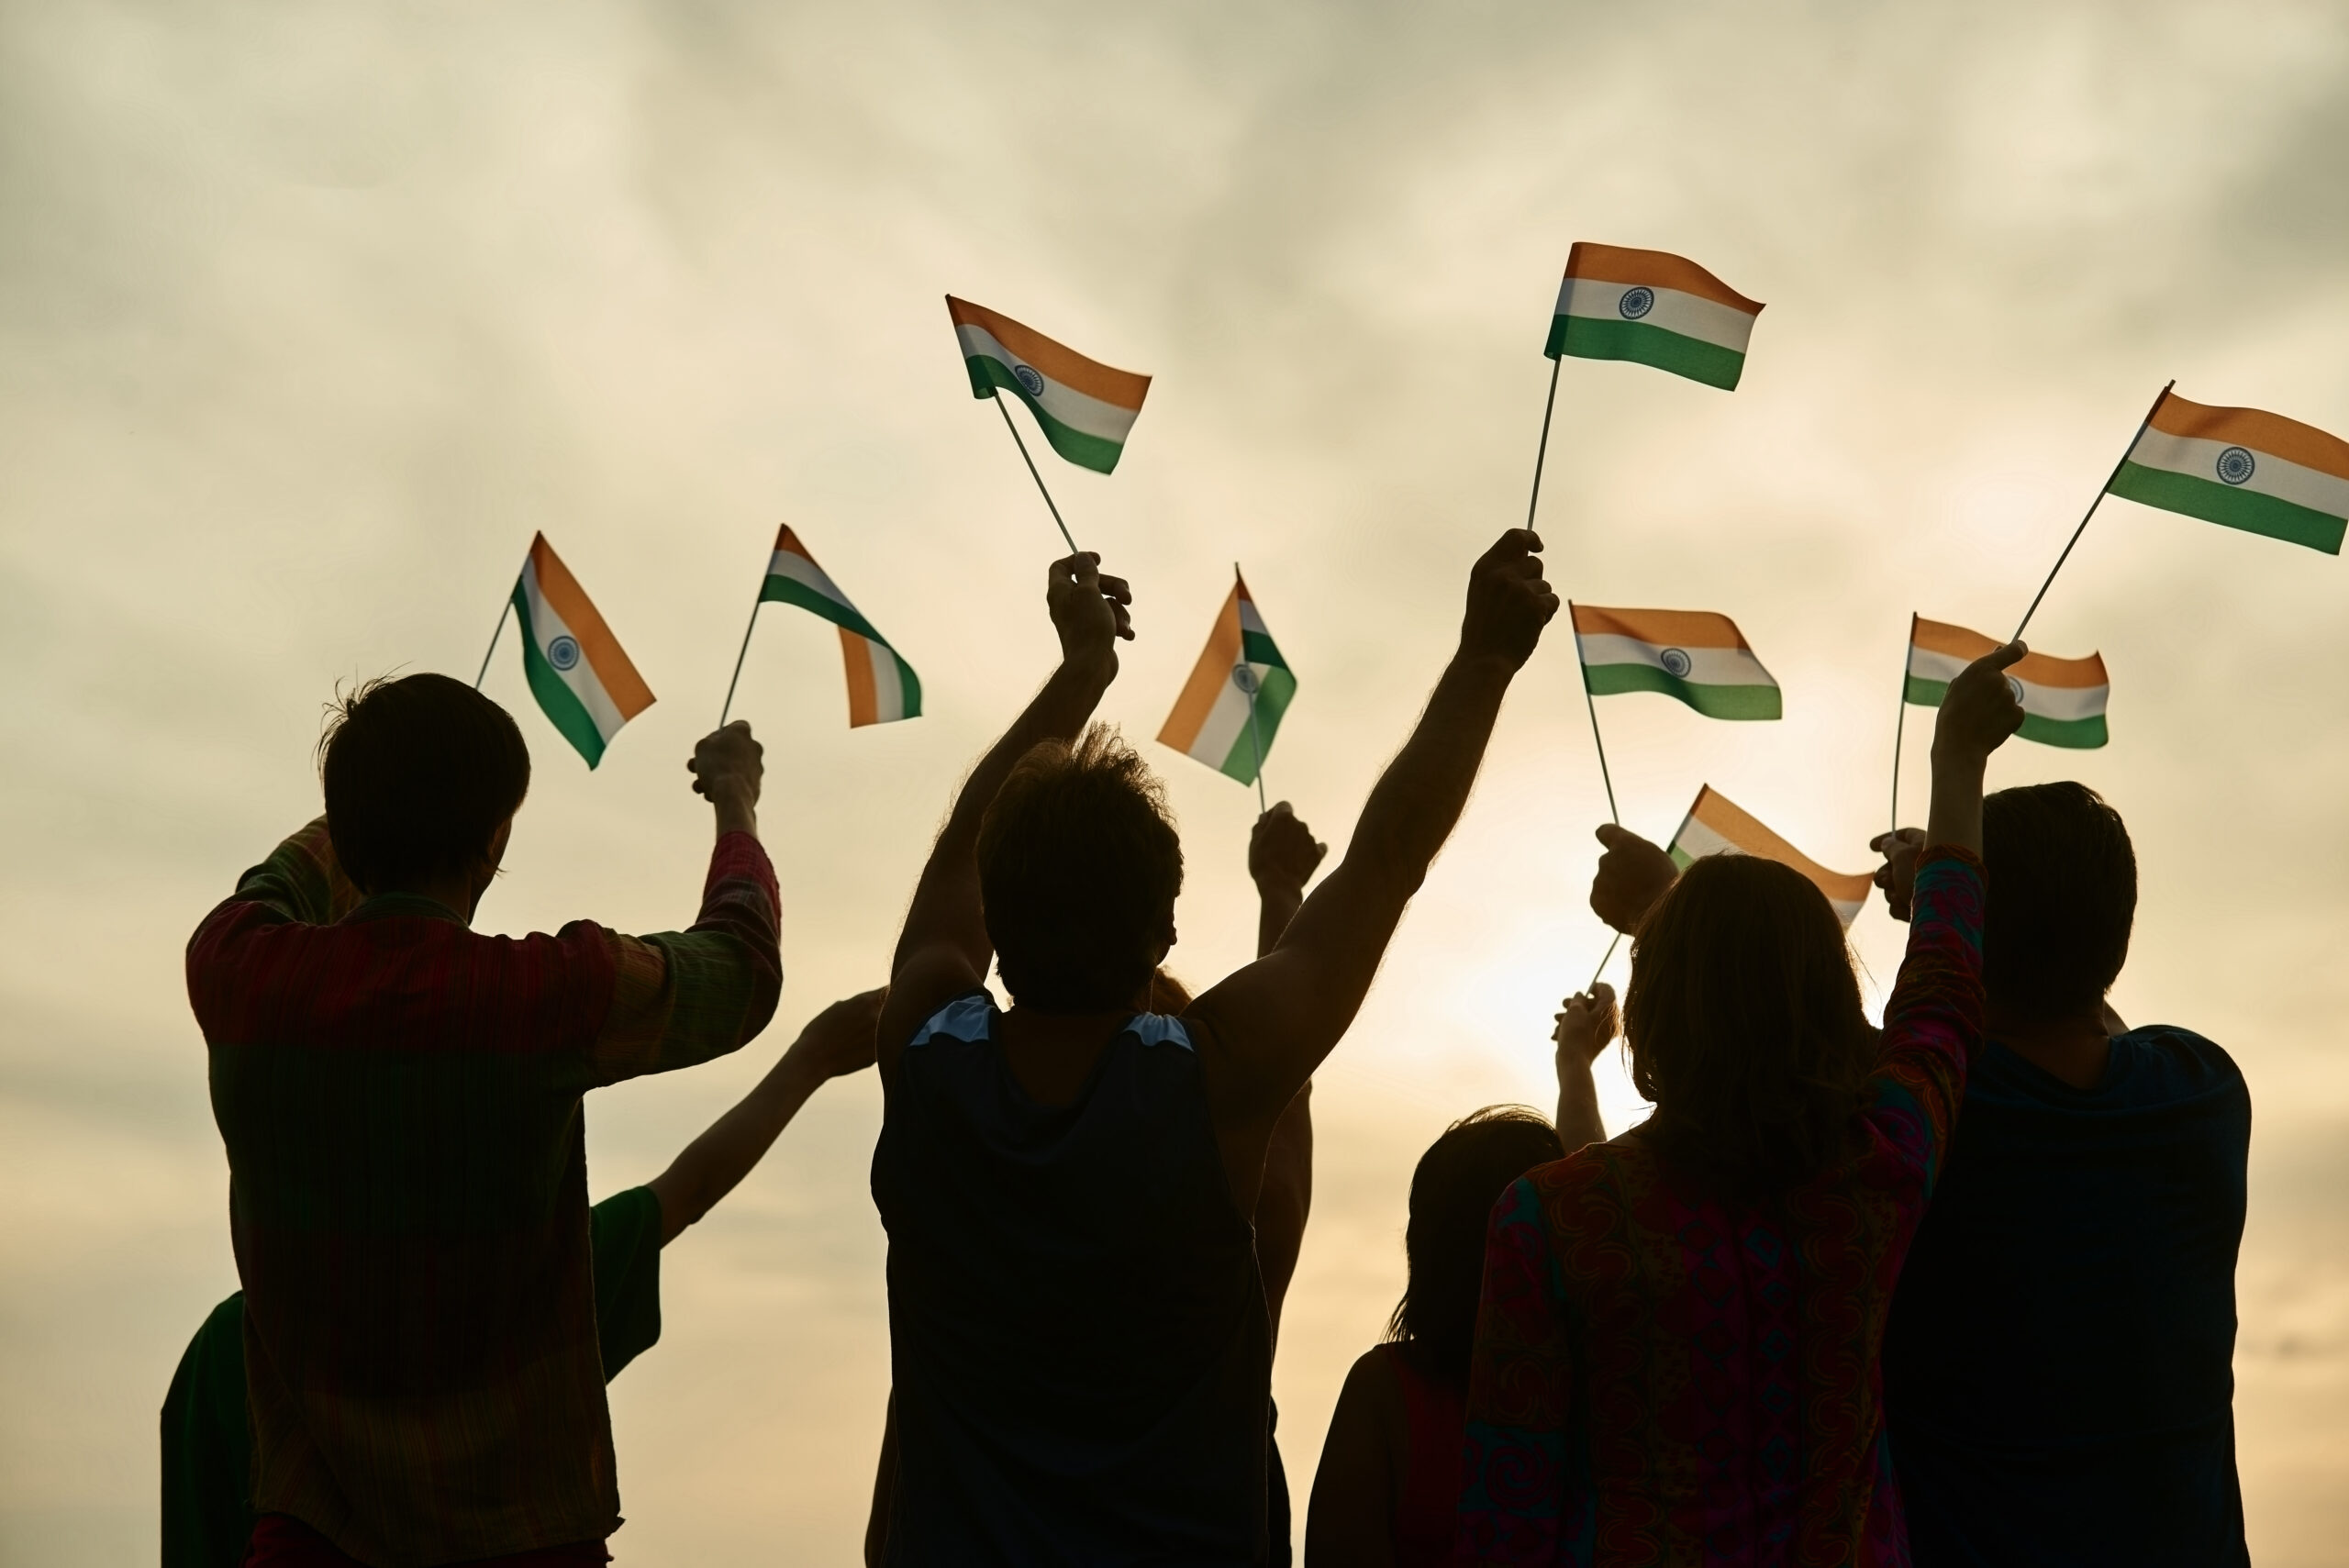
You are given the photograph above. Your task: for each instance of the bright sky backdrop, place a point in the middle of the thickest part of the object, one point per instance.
(310, 316)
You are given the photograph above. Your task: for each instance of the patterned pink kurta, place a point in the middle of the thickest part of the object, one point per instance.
(1663, 1379)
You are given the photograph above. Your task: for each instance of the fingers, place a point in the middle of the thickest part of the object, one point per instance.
(2012, 653)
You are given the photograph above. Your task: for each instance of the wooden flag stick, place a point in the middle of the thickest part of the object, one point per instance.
(1602, 963)
(1901, 720)
(2100, 495)
(1542, 450)
(1243, 675)
(1031, 471)
(1591, 703)
(503, 611)
(728, 709)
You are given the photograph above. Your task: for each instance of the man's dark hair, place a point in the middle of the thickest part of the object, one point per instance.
(1744, 1024)
(1458, 1180)
(420, 771)
(2062, 895)
(1078, 869)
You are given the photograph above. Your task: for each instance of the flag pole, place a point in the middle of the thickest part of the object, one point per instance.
(1591, 703)
(2100, 495)
(1542, 451)
(1602, 963)
(1031, 471)
(1901, 720)
(1244, 677)
(728, 709)
(504, 610)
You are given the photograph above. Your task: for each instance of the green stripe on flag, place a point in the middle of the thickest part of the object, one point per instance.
(1274, 687)
(556, 699)
(1713, 701)
(1593, 338)
(2228, 507)
(2072, 734)
(791, 591)
(1255, 648)
(1680, 857)
(909, 679)
(988, 373)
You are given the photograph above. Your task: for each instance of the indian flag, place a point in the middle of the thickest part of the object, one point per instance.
(2062, 699)
(1240, 671)
(1694, 655)
(1716, 826)
(585, 685)
(1652, 306)
(881, 686)
(1084, 406)
(2260, 473)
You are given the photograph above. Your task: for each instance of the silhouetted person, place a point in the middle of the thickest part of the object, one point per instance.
(400, 1100)
(1387, 1492)
(1675, 1352)
(1078, 1332)
(207, 1441)
(2059, 1372)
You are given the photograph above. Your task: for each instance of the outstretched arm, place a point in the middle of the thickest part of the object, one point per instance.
(1586, 1021)
(943, 950)
(1271, 1024)
(1282, 857)
(837, 1041)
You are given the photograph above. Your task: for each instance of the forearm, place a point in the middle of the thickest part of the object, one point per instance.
(946, 899)
(1418, 799)
(1286, 1200)
(714, 1163)
(1578, 1120)
(1274, 909)
(1955, 819)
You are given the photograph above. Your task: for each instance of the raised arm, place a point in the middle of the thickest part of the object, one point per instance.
(944, 950)
(1586, 1021)
(1269, 1025)
(836, 1042)
(1282, 857)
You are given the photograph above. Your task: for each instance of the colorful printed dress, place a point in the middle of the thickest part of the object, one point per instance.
(1663, 1379)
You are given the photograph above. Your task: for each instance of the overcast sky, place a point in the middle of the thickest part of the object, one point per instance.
(309, 317)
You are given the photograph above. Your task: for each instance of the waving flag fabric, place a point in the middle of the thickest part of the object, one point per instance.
(1084, 407)
(882, 686)
(585, 685)
(1715, 827)
(2062, 699)
(1694, 655)
(1210, 720)
(2260, 473)
(1654, 307)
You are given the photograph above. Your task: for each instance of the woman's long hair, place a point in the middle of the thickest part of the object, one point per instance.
(1744, 1026)
(1459, 1179)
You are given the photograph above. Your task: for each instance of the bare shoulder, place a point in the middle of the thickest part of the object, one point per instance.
(927, 979)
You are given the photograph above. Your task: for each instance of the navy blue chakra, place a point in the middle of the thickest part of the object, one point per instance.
(563, 653)
(2235, 465)
(1029, 381)
(1675, 664)
(1636, 302)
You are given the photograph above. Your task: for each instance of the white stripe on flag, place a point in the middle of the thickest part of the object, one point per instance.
(1223, 726)
(800, 569)
(1078, 410)
(1707, 666)
(544, 627)
(888, 686)
(2270, 474)
(2065, 702)
(1687, 314)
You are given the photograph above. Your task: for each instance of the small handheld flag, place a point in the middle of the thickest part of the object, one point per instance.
(2062, 699)
(1694, 655)
(882, 687)
(1714, 825)
(1233, 704)
(1654, 308)
(2241, 468)
(585, 683)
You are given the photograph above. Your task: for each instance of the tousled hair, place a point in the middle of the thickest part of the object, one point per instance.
(420, 773)
(1459, 1179)
(1079, 866)
(1744, 1026)
(2062, 898)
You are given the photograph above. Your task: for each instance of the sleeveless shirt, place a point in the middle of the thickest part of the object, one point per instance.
(1077, 1327)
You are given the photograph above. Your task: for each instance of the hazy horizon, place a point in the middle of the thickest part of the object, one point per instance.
(313, 317)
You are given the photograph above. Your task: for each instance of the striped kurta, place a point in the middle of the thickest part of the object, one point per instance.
(400, 1098)
(1668, 1379)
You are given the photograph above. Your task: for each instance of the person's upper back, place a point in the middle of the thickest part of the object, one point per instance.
(1077, 1325)
(400, 1101)
(2063, 1333)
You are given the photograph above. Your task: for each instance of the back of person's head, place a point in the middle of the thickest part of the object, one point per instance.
(1744, 1024)
(1079, 866)
(2063, 894)
(1459, 1179)
(420, 773)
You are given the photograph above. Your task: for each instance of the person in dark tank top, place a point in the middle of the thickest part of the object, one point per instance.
(1080, 1351)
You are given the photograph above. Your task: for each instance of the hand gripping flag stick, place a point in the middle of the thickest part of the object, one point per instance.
(2077, 532)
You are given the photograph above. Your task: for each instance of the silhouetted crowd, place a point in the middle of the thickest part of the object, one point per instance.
(1956, 1289)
